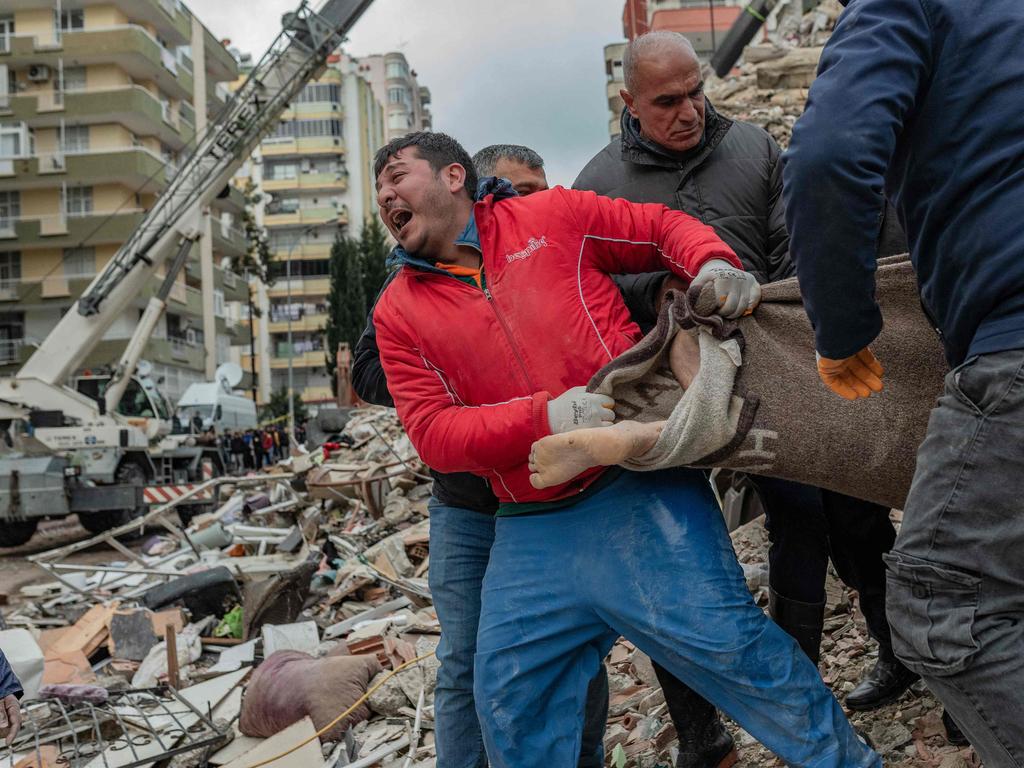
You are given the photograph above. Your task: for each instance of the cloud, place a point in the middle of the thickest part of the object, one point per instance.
(522, 71)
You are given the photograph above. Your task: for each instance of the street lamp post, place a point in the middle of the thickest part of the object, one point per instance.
(291, 349)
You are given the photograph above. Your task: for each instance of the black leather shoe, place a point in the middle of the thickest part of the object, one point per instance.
(954, 735)
(717, 750)
(885, 683)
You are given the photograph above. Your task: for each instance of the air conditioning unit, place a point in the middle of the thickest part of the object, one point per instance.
(38, 73)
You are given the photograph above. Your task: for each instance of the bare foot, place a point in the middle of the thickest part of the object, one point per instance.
(556, 459)
(684, 358)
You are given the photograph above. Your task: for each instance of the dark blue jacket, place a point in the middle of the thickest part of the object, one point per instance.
(9, 682)
(923, 101)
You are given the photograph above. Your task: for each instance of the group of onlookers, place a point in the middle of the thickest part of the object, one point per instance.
(256, 448)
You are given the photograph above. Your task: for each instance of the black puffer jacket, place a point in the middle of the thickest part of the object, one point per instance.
(733, 183)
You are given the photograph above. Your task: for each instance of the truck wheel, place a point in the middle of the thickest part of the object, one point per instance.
(16, 533)
(128, 473)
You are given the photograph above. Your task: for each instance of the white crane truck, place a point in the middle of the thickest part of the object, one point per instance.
(69, 452)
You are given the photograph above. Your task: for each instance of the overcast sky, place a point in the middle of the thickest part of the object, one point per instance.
(499, 71)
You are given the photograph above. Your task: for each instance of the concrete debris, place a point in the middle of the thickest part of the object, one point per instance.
(325, 559)
(327, 555)
(770, 87)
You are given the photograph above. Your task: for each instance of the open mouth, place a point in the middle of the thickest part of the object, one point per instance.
(399, 219)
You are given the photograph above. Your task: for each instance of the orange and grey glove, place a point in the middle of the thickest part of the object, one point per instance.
(852, 377)
(738, 291)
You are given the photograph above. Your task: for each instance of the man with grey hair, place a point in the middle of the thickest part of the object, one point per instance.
(520, 165)
(675, 149)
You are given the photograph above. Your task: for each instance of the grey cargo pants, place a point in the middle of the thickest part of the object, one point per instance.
(956, 574)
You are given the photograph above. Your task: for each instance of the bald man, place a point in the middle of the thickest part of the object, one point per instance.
(677, 150)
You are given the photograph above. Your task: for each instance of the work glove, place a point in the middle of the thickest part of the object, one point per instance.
(852, 377)
(738, 292)
(578, 409)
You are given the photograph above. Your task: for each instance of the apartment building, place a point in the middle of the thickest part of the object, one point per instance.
(406, 102)
(100, 101)
(314, 171)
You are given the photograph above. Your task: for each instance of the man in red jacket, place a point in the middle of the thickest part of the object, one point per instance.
(502, 310)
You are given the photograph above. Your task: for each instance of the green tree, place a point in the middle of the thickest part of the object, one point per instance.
(374, 249)
(346, 301)
(277, 407)
(257, 257)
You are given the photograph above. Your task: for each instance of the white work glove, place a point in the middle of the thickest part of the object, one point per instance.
(738, 292)
(578, 409)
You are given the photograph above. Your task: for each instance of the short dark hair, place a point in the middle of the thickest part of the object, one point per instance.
(486, 160)
(438, 149)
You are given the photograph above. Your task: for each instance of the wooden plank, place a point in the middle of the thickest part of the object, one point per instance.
(87, 634)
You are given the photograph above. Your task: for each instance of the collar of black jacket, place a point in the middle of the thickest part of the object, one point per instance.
(636, 148)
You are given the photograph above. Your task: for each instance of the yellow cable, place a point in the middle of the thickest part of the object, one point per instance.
(344, 714)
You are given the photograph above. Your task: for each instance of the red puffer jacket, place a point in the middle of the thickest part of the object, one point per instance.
(472, 371)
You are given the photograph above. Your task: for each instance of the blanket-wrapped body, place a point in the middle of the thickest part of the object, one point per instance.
(757, 404)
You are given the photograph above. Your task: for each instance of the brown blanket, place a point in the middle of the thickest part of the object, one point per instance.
(757, 404)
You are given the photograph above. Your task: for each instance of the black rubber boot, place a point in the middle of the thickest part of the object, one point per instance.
(804, 622)
(954, 735)
(883, 684)
(703, 740)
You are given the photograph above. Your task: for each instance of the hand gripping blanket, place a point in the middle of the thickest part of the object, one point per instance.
(757, 404)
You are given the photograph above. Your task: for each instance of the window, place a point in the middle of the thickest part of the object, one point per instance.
(10, 269)
(12, 335)
(6, 33)
(278, 171)
(307, 128)
(79, 262)
(218, 302)
(301, 268)
(399, 96)
(396, 69)
(7, 82)
(14, 140)
(71, 21)
(399, 121)
(10, 210)
(74, 78)
(76, 138)
(78, 201)
(319, 92)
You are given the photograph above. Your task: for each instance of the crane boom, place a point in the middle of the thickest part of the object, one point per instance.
(298, 54)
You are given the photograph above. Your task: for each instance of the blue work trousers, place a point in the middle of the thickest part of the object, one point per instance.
(460, 546)
(649, 558)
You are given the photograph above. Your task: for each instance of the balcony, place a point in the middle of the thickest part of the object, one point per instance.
(310, 145)
(310, 359)
(336, 181)
(137, 168)
(300, 286)
(311, 323)
(219, 62)
(228, 240)
(43, 290)
(131, 105)
(233, 202)
(307, 215)
(62, 231)
(129, 46)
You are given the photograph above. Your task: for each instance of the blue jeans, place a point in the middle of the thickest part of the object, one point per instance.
(460, 547)
(647, 557)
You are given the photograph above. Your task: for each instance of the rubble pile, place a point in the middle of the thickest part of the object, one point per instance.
(291, 625)
(267, 631)
(770, 88)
